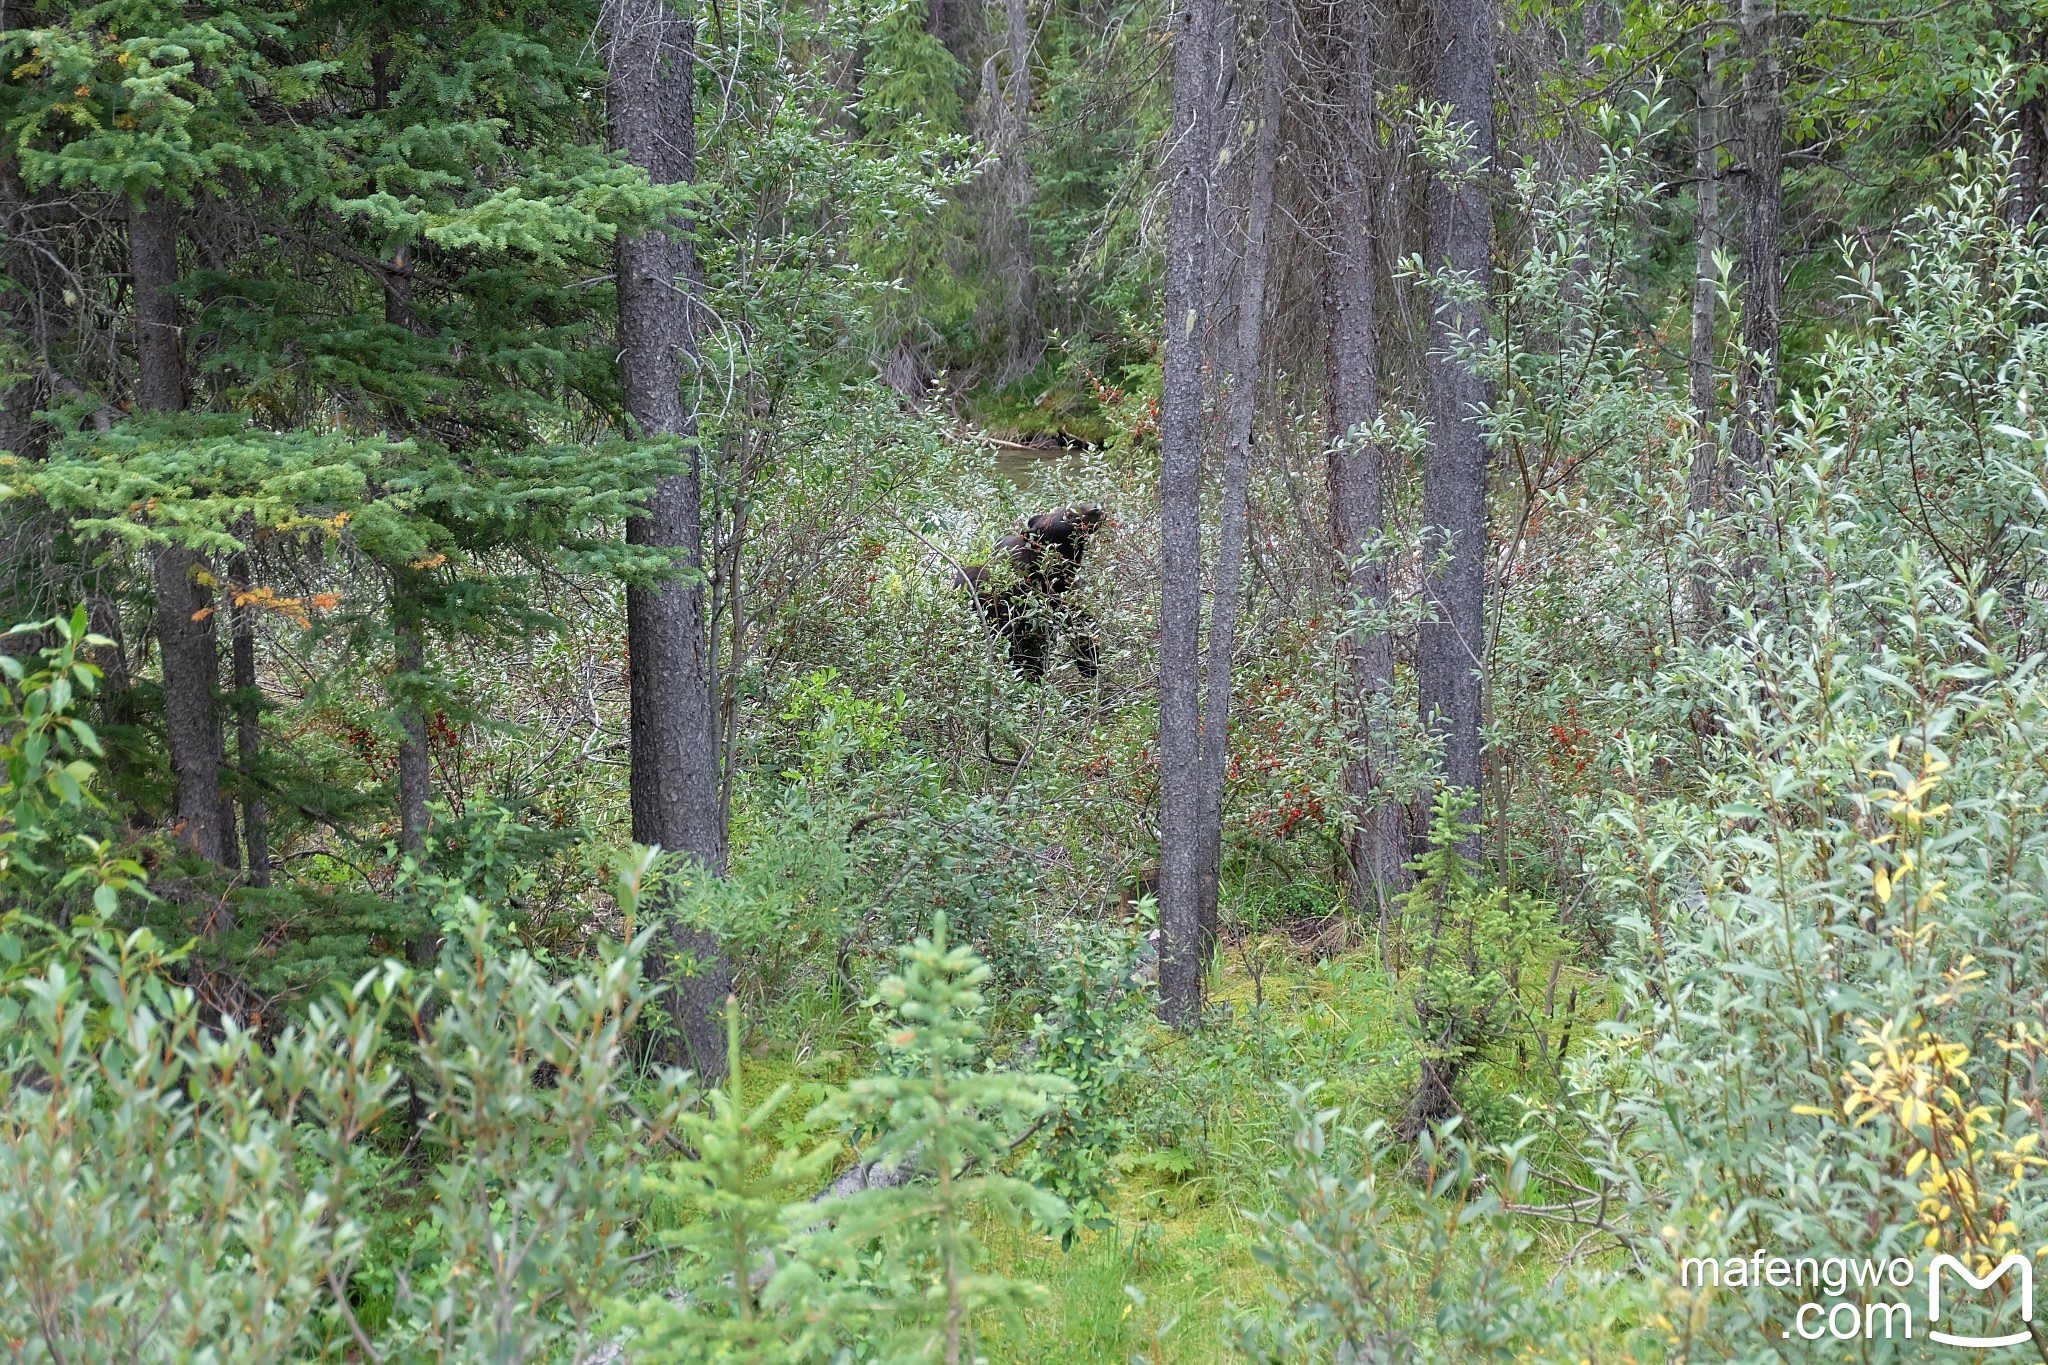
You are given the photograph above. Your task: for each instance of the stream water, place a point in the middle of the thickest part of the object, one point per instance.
(1035, 471)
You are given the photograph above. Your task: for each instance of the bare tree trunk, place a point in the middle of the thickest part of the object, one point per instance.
(1763, 190)
(673, 690)
(1452, 640)
(103, 617)
(1374, 865)
(21, 434)
(1703, 485)
(949, 22)
(1189, 171)
(2024, 200)
(415, 759)
(1025, 343)
(159, 339)
(1241, 375)
(248, 725)
(186, 635)
(409, 649)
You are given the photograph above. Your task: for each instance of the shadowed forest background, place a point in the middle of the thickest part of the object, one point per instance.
(1051, 681)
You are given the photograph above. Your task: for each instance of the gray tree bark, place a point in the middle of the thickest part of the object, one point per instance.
(1241, 375)
(248, 727)
(1451, 640)
(1190, 165)
(1763, 193)
(1373, 853)
(2024, 200)
(673, 693)
(414, 758)
(1703, 486)
(409, 649)
(187, 638)
(1025, 342)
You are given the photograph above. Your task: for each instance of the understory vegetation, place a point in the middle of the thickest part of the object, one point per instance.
(906, 681)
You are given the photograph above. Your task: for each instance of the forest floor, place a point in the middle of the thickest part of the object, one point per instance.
(1209, 1123)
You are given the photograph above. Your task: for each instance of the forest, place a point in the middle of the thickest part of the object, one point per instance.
(853, 682)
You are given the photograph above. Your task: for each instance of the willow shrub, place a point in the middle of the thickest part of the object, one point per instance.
(170, 1186)
(1823, 854)
(1832, 1003)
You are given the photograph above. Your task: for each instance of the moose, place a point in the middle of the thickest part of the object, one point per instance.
(1025, 592)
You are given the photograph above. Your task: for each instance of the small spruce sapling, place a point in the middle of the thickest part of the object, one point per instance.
(948, 1125)
(738, 1195)
(1472, 944)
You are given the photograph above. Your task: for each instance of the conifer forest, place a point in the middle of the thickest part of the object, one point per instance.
(868, 682)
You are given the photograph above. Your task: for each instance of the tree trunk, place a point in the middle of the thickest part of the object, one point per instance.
(1025, 343)
(159, 340)
(673, 693)
(1763, 189)
(103, 617)
(2026, 163)
(186, 635)
(409, 650)
(2024, 200)
(1452, 639)
(1703, 485)
(1373, 855)
(950, 21)
(248, 726)
(188, 647)
(1241, 376)
(415, 759)
(1180, 510)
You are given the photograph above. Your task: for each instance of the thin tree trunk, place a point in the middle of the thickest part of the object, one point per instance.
(2024, 201)
(248, 726)
(1189, 171)
(415, 759)
(673, 693)
(1703, 485)
(1242, 375)
(103, 617)
(1763, 189)
(1451, 641)
(1374, 865)
(1025, 342)
(949, 22)
(186, 635)
(409, 650)
(159, 340)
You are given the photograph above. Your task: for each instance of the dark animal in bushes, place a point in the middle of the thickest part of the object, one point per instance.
(1026, 590)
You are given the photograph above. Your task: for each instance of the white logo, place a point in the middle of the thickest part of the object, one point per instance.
(2026, 1270)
